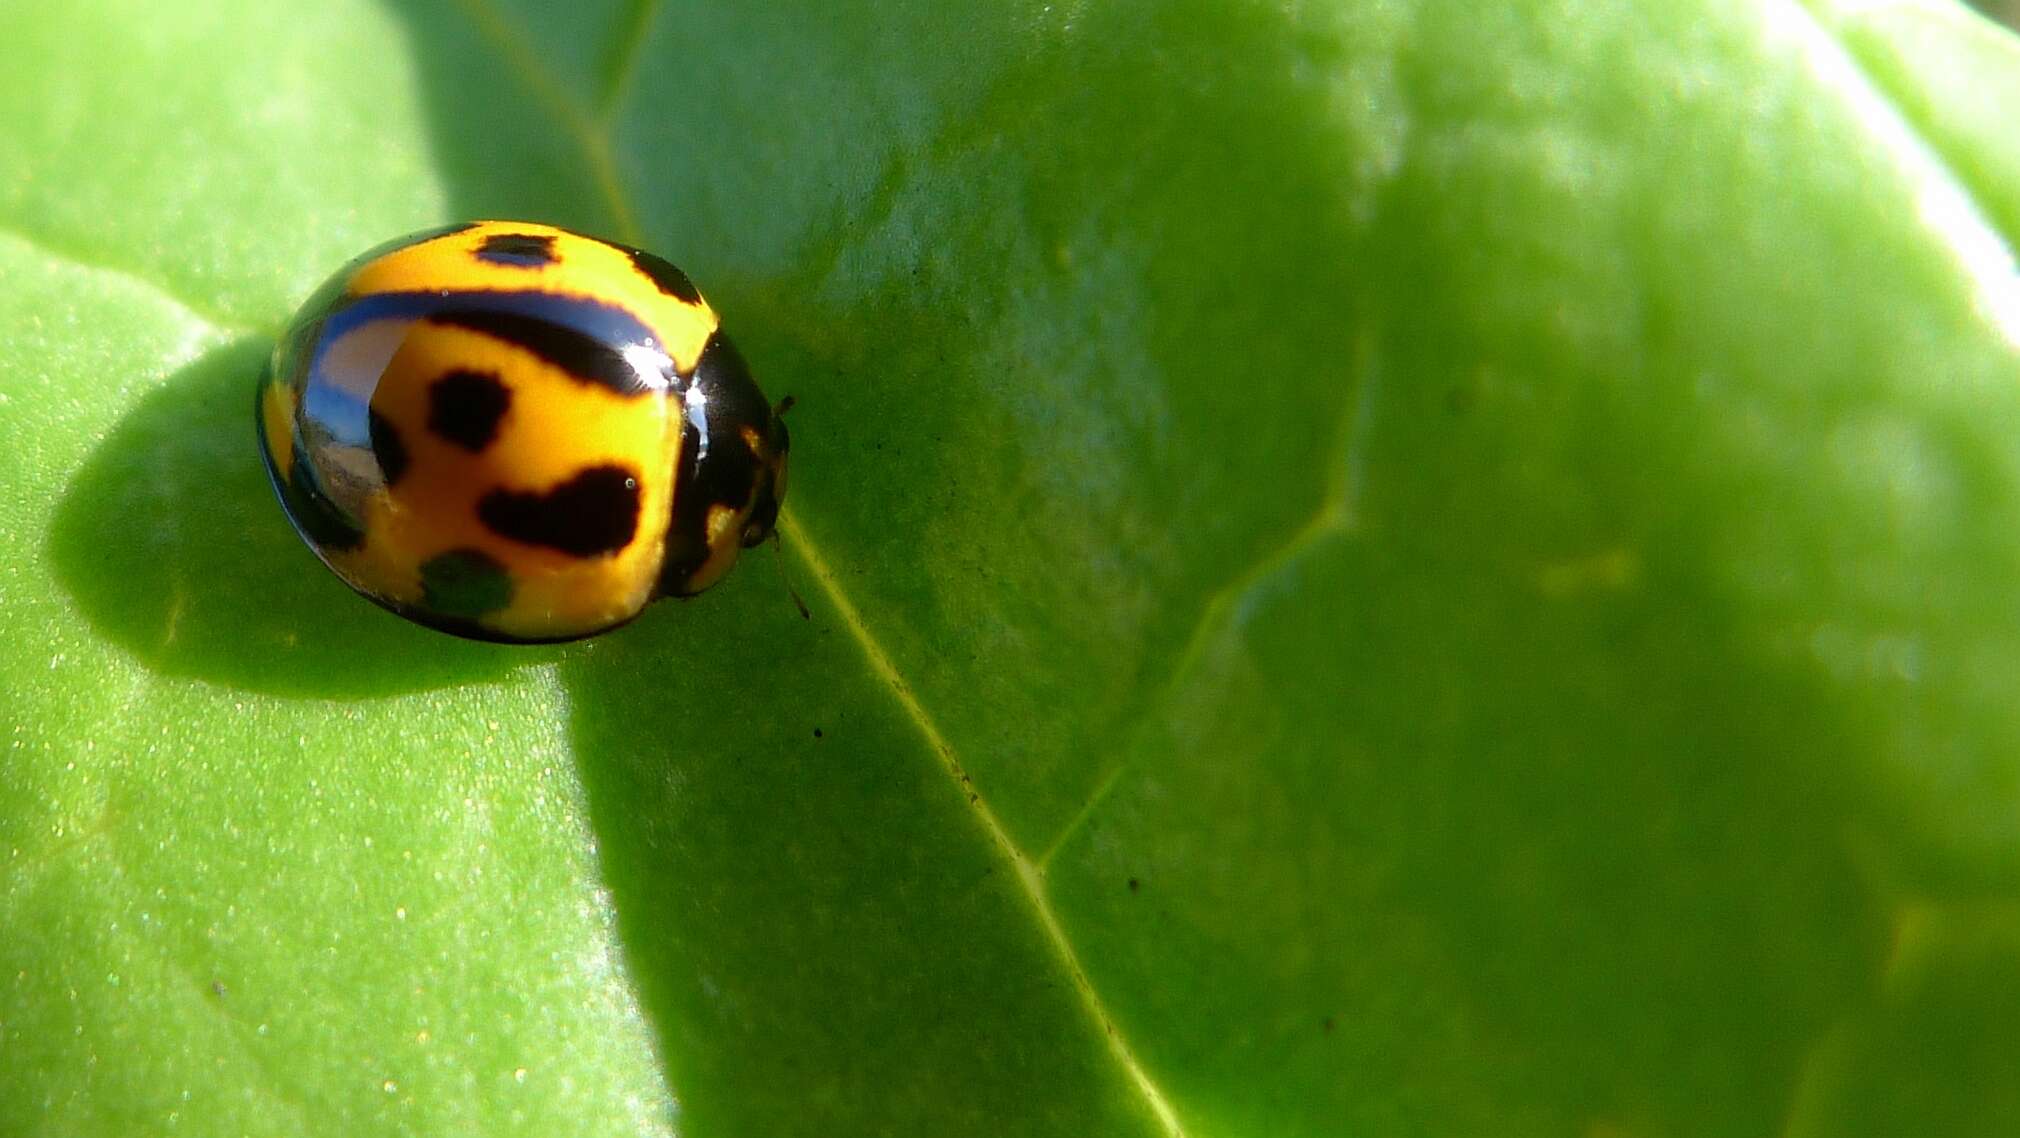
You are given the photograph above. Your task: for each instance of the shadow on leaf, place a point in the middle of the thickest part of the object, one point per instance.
(174, 547)
(791, 881)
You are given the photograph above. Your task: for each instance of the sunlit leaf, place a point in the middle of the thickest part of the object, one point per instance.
(1375, 568)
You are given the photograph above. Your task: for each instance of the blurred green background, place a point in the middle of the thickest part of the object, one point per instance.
(2004, 11)
(1376, 568)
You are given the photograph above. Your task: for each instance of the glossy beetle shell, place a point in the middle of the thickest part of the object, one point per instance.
(513, 432)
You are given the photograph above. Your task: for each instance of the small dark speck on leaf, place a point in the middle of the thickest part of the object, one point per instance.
(1327, 1026)
(218, 989)
(817, 732)
(1133, 883)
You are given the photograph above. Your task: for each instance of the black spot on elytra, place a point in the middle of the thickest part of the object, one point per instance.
(465, 583)
(588, 358)
(595, 512)
(465, 407)
(666, 276)
(387, 447)
(519, 250)
(592, 341)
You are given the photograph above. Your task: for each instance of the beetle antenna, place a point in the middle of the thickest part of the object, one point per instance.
(779, 550)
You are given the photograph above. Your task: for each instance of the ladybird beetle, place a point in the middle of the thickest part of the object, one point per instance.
(514, 432)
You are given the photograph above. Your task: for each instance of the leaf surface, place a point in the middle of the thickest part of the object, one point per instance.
(1375, 569)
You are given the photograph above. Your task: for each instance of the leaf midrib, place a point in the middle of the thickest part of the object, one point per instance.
(1922, 159)
(590, 129)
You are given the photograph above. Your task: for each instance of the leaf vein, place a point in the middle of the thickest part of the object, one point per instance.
(1028, 875)
(593, 134)
(623, 59)
(570, 113)
(1944, 200)
(1338, 514)
(196, 312)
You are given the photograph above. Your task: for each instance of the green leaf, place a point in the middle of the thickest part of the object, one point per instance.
(1375, 568)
